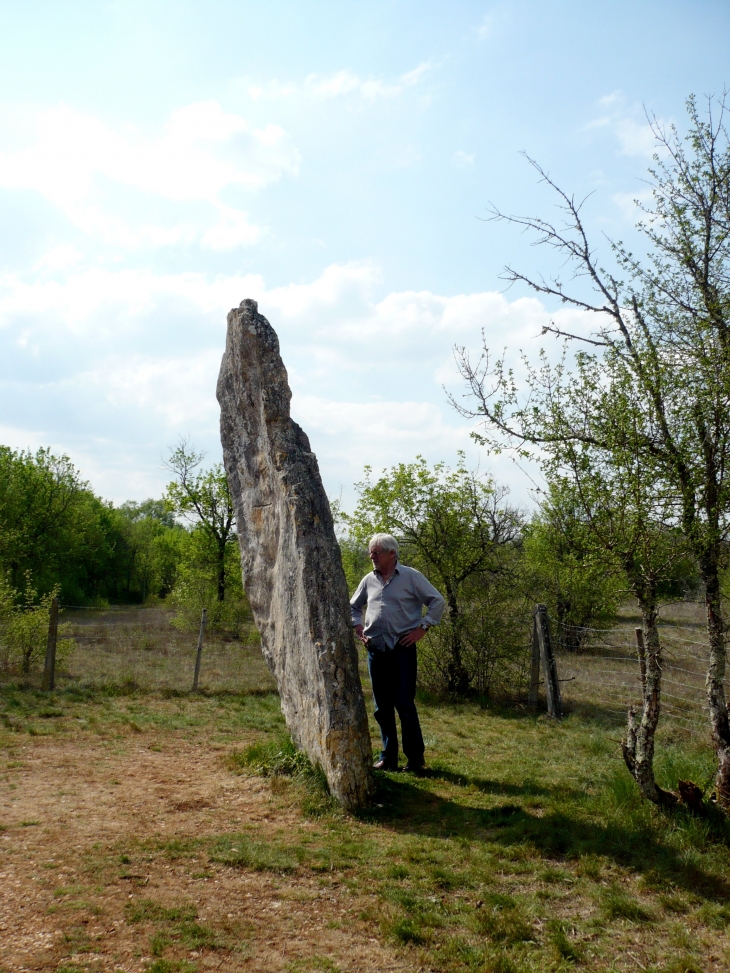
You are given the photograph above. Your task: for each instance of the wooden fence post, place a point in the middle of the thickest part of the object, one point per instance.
(543, 639)
(203, 620)
(641, 652)
(49, 670)
(534, 666)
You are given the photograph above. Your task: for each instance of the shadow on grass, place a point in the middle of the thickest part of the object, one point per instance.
(409, 809)
(528, 789)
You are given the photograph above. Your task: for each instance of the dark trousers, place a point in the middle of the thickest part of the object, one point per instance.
(393, 675)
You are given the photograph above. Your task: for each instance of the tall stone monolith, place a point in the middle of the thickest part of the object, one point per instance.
(292, 570)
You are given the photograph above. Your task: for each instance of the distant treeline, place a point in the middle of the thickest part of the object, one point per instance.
(56, 532)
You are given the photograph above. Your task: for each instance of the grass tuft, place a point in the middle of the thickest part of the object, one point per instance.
(502, 920)
(279, 758)
(171, 966)
(239, 851)
(147, 910)
(408, 930)
(617, 904)
(558, 937)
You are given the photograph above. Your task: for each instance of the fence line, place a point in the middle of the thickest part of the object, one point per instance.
(592, 673)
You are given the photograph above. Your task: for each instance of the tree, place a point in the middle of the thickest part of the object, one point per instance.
(204, 498)
(656, 377)
(54, 527)
(150, 550)
(458, 530)
(40, 499)
(564, 570)
(629, 530)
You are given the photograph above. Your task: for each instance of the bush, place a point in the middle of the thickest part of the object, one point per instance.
(24, 622)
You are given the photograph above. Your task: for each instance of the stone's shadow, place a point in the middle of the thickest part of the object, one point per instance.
(528, 789)
(405, 808)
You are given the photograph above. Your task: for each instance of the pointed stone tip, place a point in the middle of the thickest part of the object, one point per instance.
(249, 302)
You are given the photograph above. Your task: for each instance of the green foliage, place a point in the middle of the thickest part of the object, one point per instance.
(196, 587)
(55, 530)
(52, 526)
(24, 620)
(150, 549)
(564, 570)
(204, 499)
(456, 528)
(355, 561)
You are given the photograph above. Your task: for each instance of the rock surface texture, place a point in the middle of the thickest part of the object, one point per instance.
(292, 570)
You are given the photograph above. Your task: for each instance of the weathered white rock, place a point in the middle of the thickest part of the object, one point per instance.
(292, 570)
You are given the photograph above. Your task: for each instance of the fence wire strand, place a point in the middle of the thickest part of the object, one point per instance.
(592, 673)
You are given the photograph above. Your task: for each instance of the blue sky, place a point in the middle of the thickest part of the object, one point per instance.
(161, 161)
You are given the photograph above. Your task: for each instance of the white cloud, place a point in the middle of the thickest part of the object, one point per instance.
(172, 390)
(87, 169)
(342, 83)
(491, 22)
(626, 202)
(463, 159)
(628, 124)
(129, 359)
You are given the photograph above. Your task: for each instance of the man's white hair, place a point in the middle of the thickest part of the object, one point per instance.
(386, 542)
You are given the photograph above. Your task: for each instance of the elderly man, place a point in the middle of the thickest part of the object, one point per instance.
(395, 596)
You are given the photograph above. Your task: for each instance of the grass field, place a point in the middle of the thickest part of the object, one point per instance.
(138, 833)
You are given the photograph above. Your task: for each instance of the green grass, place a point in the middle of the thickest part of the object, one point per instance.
(525, 848)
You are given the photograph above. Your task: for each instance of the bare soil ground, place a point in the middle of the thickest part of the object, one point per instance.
(84, 885)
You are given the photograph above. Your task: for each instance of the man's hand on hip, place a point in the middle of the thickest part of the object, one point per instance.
(360, 635)
(410, 638)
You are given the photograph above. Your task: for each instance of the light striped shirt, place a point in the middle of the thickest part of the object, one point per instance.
(395, 607)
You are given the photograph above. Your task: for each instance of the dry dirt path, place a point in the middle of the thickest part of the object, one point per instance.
(85, 877)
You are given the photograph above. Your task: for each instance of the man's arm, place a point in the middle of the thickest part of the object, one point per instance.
(434, 602)
(432, 599)
(357, 603)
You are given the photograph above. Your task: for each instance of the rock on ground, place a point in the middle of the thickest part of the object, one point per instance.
(292, 570)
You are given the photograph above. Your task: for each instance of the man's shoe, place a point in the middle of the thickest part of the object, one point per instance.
(384, 765)
(415, 768)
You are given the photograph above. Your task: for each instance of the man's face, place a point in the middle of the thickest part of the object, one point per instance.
(383, 561)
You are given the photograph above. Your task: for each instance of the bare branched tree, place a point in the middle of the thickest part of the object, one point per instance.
(653, 377)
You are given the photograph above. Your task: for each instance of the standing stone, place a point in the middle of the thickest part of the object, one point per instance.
(292, 570)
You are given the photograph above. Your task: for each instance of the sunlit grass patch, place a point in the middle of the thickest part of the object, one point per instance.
(502, 920)
(171, 966)
(312, 964)
(618, 904)
(279, 758)
(240, 851)
(558, 934)
(147, 910)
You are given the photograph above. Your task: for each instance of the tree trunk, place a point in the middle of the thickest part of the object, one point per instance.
(458, 677)
(638, 747)
(221, 573)
(715, 684)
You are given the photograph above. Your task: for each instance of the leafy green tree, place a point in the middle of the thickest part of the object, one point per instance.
(204, 499)
(24, 618)
(196, 588)
(563, 569)
(151, 549)
(458, 530)
(54, 527)
(41, 497)
(655, 378)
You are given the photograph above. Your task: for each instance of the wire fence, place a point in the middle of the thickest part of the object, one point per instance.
(131, 648)
(605, 672)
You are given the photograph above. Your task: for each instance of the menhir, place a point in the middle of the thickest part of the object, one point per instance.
(292, 570)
